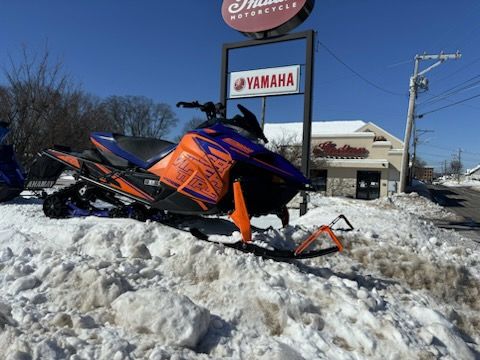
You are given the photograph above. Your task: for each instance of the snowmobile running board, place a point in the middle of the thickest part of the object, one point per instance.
(283, 255)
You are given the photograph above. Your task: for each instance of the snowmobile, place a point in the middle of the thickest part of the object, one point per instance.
(217, 169)
(12, 178)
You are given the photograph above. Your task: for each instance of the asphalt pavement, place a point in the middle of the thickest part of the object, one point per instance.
(462, 201)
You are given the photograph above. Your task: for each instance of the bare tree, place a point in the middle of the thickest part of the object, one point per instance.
(44, 108)
(31, 97)
(140, 116)
(288, 147)
(456, 166)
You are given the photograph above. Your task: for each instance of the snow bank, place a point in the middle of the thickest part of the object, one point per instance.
(119, 289)
(174, 319)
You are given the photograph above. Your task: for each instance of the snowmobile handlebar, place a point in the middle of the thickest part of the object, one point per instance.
(216, 112)
(189, 105)
(212, 110)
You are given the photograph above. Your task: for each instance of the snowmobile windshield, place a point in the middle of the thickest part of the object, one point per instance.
(245, 124)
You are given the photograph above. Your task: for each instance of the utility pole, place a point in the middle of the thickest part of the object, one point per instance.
(417, 80)
(459, 165)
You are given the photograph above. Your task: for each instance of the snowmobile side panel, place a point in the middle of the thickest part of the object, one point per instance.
(198, 168)
(67, 158)
(119, 183)
(104, 176)
(44, 173)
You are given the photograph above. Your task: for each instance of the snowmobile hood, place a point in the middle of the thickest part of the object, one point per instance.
(244, 150)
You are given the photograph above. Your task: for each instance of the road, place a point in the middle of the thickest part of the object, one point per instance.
(464, 202)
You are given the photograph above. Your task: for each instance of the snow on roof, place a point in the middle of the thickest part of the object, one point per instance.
(474, 170)
(293, 131)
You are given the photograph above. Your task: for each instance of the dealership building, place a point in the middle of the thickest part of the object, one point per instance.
(349, 158)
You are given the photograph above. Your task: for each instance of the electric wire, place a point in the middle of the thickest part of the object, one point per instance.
(448, 106)
(371, 83)
(453, 90)
(439, 98)
(460, 70)
(450, 149)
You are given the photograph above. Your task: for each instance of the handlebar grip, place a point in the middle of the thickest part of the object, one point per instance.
(184, 104)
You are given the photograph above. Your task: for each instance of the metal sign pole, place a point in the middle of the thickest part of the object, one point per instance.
(307, 117)
(264, 109)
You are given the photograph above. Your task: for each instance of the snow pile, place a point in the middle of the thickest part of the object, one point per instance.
(142, 311)
(119, 289)
(411, 203)
(472, 183)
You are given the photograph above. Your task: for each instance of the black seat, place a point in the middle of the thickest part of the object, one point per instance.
(149, 150)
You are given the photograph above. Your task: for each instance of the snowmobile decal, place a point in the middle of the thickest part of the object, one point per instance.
(198, 168)
(113, 179)
(98, 145)
(69, 159)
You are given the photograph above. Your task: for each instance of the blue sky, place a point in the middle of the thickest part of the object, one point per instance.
(171, 51)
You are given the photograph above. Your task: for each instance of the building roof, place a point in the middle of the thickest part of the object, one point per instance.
(293, 131)
(474, 170)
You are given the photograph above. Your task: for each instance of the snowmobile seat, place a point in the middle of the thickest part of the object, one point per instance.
(149, 150)
(139, 151)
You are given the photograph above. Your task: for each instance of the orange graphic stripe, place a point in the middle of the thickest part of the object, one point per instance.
(125, 185)
(98, 145)
(69, 159)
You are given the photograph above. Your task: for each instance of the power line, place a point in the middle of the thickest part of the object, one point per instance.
(447, 106)
(450, 149)
(357, 73)
(446, 96)
(453, 90)
(460, 70)
(399, 64)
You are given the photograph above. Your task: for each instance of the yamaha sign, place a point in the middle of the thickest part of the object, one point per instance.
(266, 18)
(265, 82)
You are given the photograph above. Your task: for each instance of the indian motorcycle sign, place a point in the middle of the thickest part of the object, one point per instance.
(265, 18)
(330, 149)
(265, 82)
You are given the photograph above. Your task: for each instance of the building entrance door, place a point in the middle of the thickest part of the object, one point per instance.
(368, 185)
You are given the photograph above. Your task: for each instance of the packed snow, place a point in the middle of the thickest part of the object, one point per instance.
(120, 289)
(471, 183)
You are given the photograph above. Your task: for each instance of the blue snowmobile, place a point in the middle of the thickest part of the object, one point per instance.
(12, 178)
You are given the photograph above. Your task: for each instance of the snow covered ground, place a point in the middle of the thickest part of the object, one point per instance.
(471, 183)
(120, 289)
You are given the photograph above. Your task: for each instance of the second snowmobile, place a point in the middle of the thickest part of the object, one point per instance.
(11, 175)
(219, 168)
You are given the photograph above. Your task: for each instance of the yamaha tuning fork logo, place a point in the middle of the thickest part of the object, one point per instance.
(239, 84)
(265, 18)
